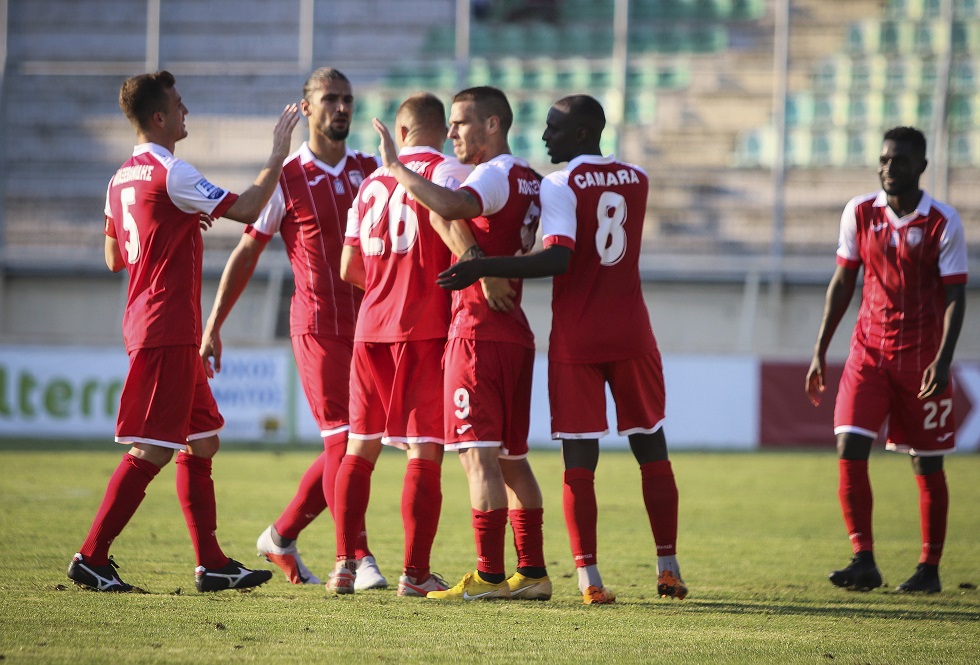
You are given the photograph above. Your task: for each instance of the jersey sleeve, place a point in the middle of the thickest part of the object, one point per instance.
(847, 244)
(450, 174)
(490, 185)
(110, 228)
(352, 233)
(270, 219)
(191, 192)
(558, 211)
(952, 250)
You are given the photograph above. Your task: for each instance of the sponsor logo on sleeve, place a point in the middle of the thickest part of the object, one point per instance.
(208, 190)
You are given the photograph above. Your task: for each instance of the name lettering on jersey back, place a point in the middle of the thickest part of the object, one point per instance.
(528, 187)
(130, 173)
(606, 178)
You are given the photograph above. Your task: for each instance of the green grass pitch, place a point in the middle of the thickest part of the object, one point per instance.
(758, 534)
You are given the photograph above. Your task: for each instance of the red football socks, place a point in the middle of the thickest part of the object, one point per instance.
(856, 502)
(579, 505)
(660, 498)
(489, 530)
(123, 495)
(528, 524)
(351, 502)
(933, 511)
(195, 490)
(421, 506)
(307, 503)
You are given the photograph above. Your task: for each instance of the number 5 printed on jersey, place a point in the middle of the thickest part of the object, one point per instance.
(128, 198)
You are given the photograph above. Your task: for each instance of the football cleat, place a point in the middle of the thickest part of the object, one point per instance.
(860, 575)
(97, 578)
(925, 579)
(408, 587)
(232, 575)
(529, 588)
(598, 595)
(671, 586)
(473, 587)
(368, 576)
(341, 580)
(287, 558)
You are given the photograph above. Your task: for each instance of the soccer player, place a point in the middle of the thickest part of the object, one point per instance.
(489, 357)
(156, 205)
(309, 209)
(592, 220)
(394, 253)
(913, 251)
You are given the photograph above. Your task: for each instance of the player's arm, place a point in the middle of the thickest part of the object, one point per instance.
(352, 266)
(461, 242)
(447, 203)
(113, 256)
(935, 378)
(238, 271)
(249, 204)
(547, 262)
(840, 291)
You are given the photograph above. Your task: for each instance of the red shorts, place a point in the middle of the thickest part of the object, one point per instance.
(577, 393)
(323, 364)
(868, 396)
(166, 399)
(396, 392)
(488, 395)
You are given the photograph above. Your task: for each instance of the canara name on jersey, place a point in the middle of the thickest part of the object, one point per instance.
(528, 187)
(131, 173)
(605, 178)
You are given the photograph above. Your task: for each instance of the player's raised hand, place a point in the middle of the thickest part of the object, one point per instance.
(282, 135)
(815, 380)
(387, 149)
(459, 275)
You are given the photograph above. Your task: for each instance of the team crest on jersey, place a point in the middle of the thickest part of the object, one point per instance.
(208, 190)
(914, 236)
(338, 186)
(356, 178)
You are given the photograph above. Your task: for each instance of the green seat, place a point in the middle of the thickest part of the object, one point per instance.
(755, 148)
(712, 10)
(964, 149)
(800, 109)
(863, 37)
(828, 148)
(901, 108)
(866, 110)
(708, 38)
(831, 109)
(479, 72)
(575, 10)
(799, 147)
(863, 147)
(508, 73)
(966, 9)
(641, 107)
(964, 112)
(541, 74)
(931, 38)
(867, 73)
(966, 37)
(543, 39)
(441, 41)
(575, 74)
(964, 75)
(897, 37)
(748, 10)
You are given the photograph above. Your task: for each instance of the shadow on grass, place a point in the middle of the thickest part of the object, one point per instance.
(777, 608)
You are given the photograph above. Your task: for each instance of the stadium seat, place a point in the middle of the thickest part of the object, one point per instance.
(966, 37)
(708, 38)
(830, 109)
(932, 37)
(712, 10)
(914, 10)
(748, 10)
(543, 38)
(901, 108)
(964, 148)
(541, 74)
(441, 40)
(755, 148)
(575, 74)
(867, 73)
(799, 109)
(576, 10)
(866, 110)
(479, 72)
(799, 147)
(507, 73)
(832, 73)
(966, 9)
(864, 36)
(828, 148)
(896, 37)
(964, 111)
(964, 73)
(863, 147)
(641, 107)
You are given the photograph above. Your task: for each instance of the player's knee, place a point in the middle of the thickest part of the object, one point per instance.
(854, 447)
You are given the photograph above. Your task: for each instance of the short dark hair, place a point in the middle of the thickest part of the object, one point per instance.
(489, 101)
(321, 76)
(909, 135)
(586, 110)
(424, 110)
(143, 95)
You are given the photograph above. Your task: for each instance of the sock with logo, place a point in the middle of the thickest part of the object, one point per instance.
(489, 530)
(933, 512)
(581, 514)
(660, 499)
(856, 502)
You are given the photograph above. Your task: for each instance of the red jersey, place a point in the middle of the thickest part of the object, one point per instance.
(403, 255)
(907, 263)
(152, 208)
(309, 208)
(508, 192)
(599, 314)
